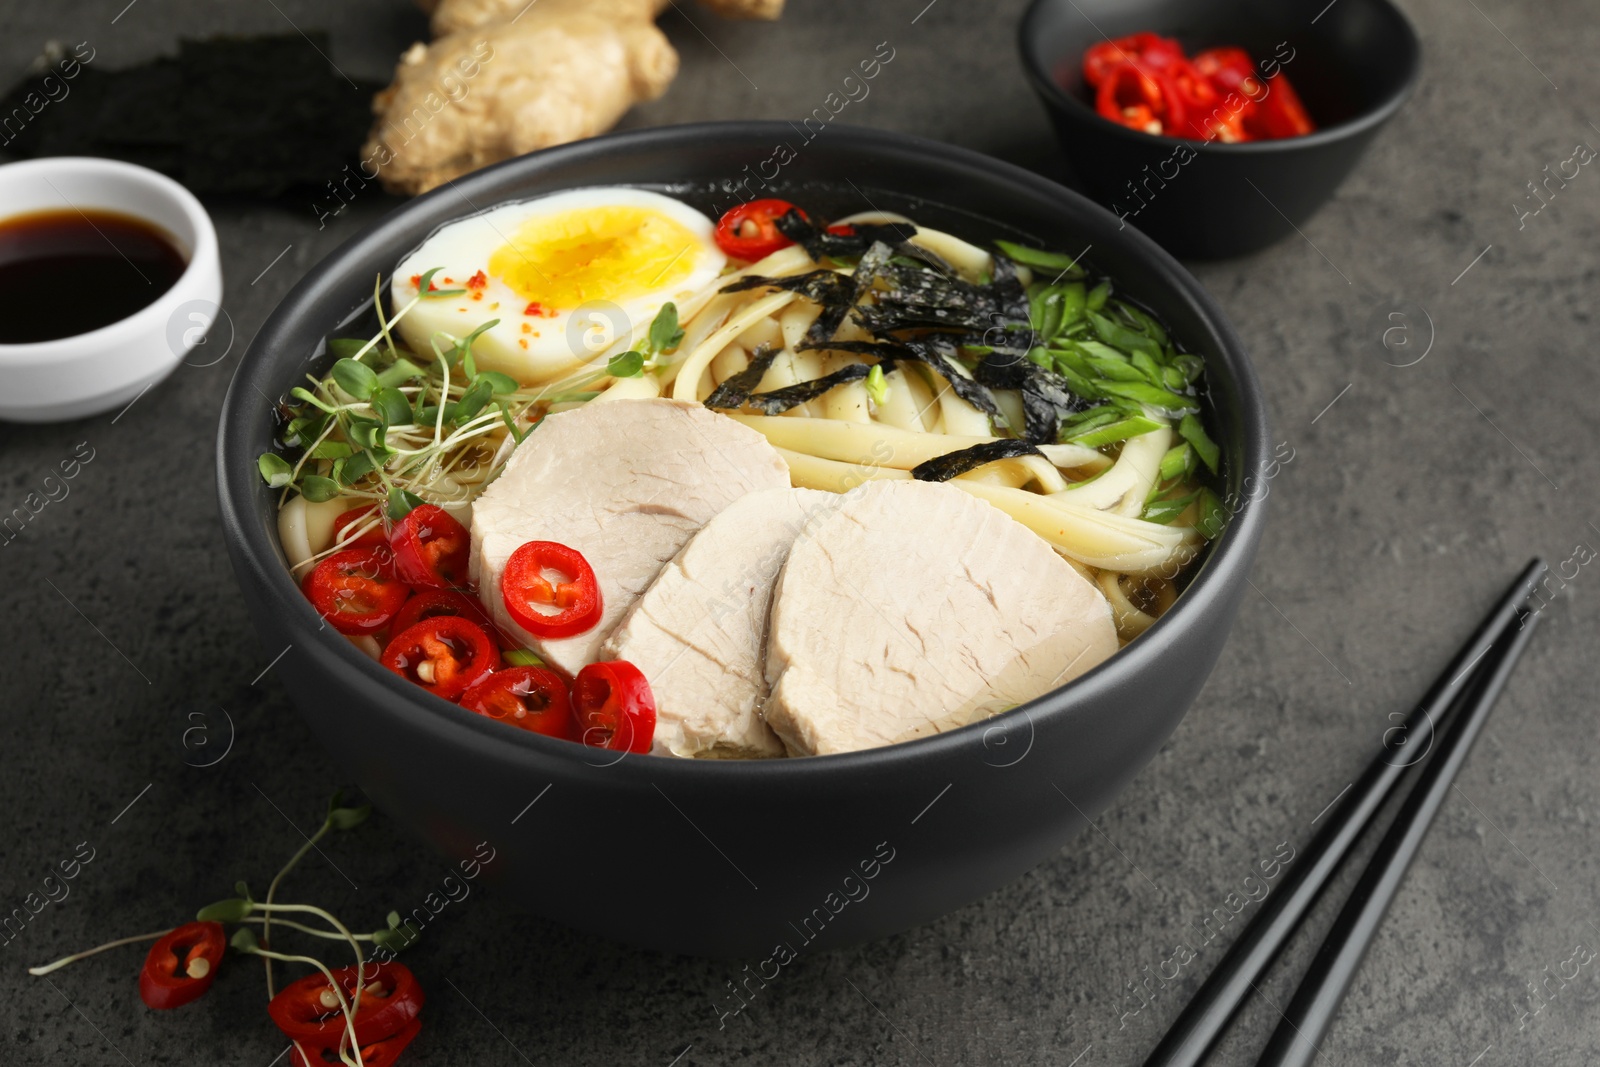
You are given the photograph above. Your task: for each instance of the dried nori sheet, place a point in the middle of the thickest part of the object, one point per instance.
(257, 116)
(736, 388)
(921, 313)
(833, 315)
(930, 349)
(777, 401)
(826, 287)
(943, 468)
(1046, 398)
(818, 242)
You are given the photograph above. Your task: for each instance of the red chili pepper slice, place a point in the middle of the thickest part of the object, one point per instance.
(1280, 113)
(355, 590)
(750, 231)
(614, 707)
(1230, 70)
(1142, 100)
(430, 548)
(182, 965)
(307, 1011)
(529, 698)
(1194, 88)
(446, 655)
(1153, 49)
(374, 535)
(573, 600)
(432, 603)
(381, 1053)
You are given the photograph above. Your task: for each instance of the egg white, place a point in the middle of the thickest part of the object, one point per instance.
(559, 343)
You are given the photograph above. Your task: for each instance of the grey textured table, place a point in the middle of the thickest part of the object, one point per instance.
(1414, 493)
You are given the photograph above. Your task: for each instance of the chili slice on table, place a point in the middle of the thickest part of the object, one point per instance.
(372, 537)
(529, 698)
(432, 603)
(182, 965)
(750, 230)
(381, 1053)
(1142, 100)
(614, 707)
(446, 655)
(355, 589)
(545, 608)
(308, 1011)
(430, 548)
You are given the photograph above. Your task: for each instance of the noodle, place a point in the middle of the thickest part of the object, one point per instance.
(1094, 538)
(692, 369)
(851, 442)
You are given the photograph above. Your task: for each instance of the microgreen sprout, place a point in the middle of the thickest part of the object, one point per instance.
(664, 336)
(399, 428)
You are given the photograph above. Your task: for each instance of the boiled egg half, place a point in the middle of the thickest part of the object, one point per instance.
(571, 278)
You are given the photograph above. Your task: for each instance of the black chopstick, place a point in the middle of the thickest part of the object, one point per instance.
(1294, 1042)
(1213, 1006)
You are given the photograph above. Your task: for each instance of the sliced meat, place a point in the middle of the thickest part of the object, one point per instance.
(698, 633)
(624, 483)
(914, 608)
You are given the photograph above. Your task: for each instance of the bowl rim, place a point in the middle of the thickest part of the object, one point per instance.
(1055, 96)
(256, 556)
(204, 256)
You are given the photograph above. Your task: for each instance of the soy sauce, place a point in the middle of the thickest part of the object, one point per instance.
(69, 272)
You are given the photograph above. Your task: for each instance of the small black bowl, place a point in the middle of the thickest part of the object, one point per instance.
(1353, 63)
(721, 857)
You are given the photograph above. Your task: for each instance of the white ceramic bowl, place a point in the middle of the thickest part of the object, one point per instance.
(92, 372)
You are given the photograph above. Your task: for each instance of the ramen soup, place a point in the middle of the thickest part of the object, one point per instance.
(769, 485)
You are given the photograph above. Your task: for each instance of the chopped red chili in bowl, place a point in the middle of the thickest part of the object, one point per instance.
(1146, 82)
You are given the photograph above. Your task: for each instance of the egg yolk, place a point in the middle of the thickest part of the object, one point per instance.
(594, 253)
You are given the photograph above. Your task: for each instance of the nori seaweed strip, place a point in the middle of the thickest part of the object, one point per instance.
(1011, 342)
(923, 350)
(885, 318)
(827, 324)
(870, 267)
(826, 287)
(1007, 287)
(917, 299)
(1002, 369)
(818, 242)
(939, 353)
(736, 388)
(1046, 399)
(777, 401)
(921, 287)
(943, 468)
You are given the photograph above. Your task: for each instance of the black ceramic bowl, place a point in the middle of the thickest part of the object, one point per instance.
(733, 858)
(1353, 63)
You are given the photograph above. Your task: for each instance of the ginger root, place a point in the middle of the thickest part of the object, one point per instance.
(507, 77)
